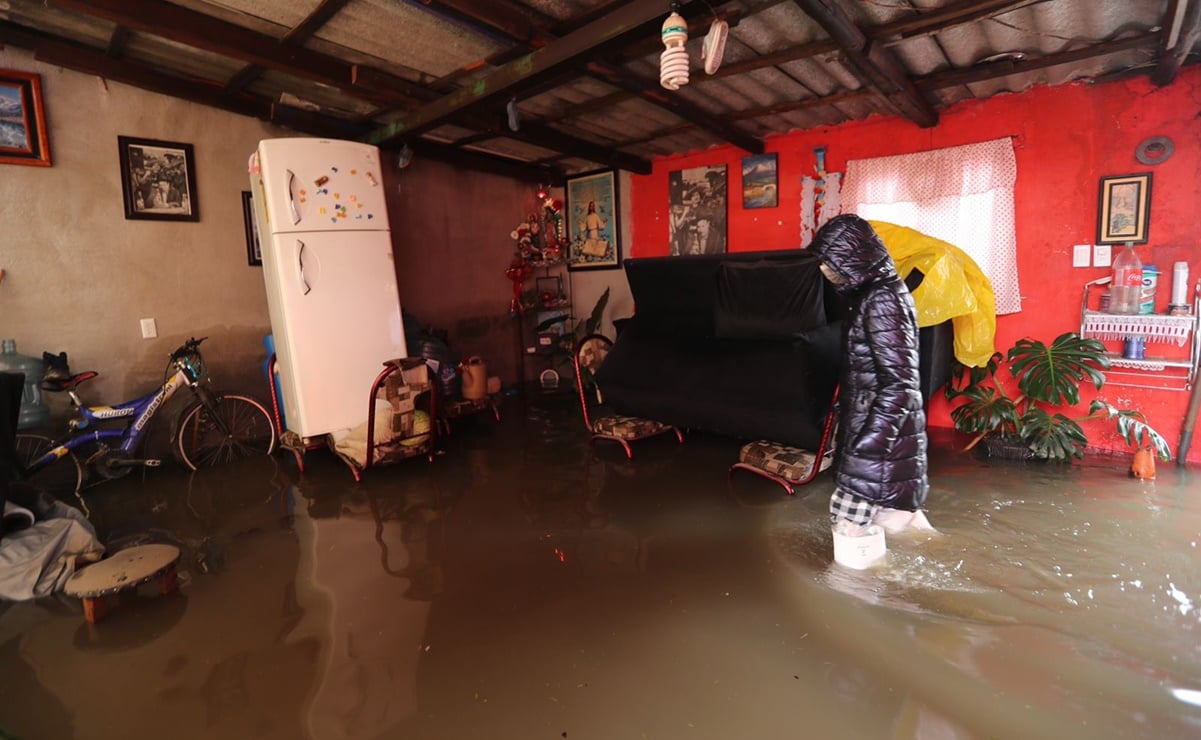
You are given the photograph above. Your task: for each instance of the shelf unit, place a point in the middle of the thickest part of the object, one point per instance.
(1159, 372)
(538, 349)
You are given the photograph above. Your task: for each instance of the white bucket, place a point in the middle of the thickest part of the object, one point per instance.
(859, 552)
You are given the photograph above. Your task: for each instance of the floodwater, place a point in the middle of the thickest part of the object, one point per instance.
(520, 587)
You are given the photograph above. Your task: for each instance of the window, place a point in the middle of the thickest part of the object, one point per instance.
(962, 195)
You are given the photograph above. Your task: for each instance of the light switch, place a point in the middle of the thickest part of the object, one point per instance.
(1081, 255)
(149, 329)
(1101, 256)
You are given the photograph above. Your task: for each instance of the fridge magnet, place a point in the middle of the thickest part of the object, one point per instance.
(593, 231)
(254, 250)
(759, 181)
(1124, 209)
(697, 210)
(158, 180)
(23, 138)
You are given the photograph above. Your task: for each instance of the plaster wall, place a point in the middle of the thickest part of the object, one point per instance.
(80, 276)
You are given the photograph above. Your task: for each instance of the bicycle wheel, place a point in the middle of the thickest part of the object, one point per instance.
(233, 428)
(62, 478)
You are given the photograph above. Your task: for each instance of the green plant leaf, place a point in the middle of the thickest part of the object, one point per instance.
(1052, 374)
(985, 410)
(975, 376)
(1133, 427)
(1052, 437)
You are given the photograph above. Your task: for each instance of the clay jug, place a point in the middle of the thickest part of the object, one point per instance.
(1143, 465)
(475, 378)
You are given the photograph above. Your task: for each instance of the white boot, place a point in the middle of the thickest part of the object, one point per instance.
(895, 521)
(858, 546)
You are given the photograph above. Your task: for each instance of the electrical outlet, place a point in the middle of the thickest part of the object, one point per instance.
(149, 329)
(1101, 255)
(1081, 255)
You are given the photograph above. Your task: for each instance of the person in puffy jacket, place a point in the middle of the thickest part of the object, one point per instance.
(880, 454)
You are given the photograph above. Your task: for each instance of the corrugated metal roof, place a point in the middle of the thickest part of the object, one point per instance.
(375, 63)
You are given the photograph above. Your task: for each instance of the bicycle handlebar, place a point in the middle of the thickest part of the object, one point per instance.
(187, 348)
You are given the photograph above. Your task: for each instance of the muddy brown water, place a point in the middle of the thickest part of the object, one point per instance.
(520, 587)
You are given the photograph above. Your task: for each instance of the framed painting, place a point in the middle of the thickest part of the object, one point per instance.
(254, 250)
(697, 210)
(1124, 210)
(158, 180)
(759, 181)
(23, 137)
(593, 230)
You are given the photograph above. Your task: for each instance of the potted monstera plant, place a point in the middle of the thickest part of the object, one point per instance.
(1024, 424)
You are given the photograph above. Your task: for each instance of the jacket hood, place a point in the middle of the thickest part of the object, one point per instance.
(851, 247)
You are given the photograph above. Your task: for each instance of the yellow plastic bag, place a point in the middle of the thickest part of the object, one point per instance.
(953, 288)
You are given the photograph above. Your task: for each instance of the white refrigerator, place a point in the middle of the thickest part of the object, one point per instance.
(331, 283)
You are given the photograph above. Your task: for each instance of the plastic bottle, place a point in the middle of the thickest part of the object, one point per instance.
(1127, 282)
(1146, 296)
(1180, 284)
(34, 412)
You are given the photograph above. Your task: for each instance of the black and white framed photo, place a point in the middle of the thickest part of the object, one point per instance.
(697, 206)
(158, 180)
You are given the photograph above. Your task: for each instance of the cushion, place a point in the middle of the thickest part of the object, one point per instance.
(790, 463)
(627, 427)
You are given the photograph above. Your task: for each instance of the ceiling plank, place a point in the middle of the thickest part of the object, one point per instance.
(874, 64)
(202, 31)
(529, 69)
(304, 30)
(651, 91)
(513, 168)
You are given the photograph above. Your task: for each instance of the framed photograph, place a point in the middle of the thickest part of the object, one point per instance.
(1124, 211)
(254, 251)
(23, 138)
(759, 181)
(697, 210)
(593, 231)
(158, 180)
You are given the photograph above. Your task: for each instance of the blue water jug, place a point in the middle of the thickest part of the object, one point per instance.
(34, 411)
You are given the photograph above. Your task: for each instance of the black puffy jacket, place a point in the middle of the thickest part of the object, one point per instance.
(881, 441)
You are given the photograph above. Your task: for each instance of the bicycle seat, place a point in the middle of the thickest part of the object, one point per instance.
(57, 385)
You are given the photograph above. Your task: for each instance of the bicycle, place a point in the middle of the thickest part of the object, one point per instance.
(215, 428)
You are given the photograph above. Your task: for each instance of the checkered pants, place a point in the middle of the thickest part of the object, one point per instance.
(852, 508)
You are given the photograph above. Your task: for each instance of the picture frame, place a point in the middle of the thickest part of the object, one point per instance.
(158, 180)
(697, 205)
(760, 182)
(23, 135)
(1124, 209)
(593, 221)
(254, 250)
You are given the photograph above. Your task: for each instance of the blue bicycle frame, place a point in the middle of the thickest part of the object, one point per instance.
(140, 410)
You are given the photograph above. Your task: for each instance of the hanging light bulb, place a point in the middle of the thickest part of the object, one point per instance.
(673, 62)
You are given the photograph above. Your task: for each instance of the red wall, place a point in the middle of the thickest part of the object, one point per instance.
(1065, 139)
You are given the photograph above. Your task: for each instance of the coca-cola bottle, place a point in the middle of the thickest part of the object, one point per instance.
(1127, 282)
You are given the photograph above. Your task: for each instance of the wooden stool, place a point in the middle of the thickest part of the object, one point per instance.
(125, 570)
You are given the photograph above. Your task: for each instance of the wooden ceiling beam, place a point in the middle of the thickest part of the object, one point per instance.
(593, 39)
(300, 33)
(195, 29)
(874, 64)
(652, 92)
(1186, 36)
(523, 171)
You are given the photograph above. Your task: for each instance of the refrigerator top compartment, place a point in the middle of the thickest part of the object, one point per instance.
(320, 185)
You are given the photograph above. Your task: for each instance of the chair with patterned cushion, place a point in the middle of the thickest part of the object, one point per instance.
(590, 352)
(788, 466)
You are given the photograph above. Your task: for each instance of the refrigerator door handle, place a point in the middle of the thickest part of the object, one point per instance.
(300, 263)
(292, 198)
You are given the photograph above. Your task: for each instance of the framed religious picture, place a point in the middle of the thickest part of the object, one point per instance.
(158, 180)
(593, 229)
(23, 137)
(697, 210)
(759, 181)
(1124, 209)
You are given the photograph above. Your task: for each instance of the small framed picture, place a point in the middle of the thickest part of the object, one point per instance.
(158, 180)
(759, 181)
(254, 251)
(1124, 210)
(23, 138)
